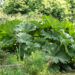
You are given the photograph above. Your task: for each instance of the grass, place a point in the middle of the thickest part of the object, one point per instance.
(12, 59)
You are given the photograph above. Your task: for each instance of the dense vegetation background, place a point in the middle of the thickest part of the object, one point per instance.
(39, 35)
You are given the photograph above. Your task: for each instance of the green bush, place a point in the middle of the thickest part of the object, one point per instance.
(34, 63)
(7, 33)
(14, 6)
(23, 6)
(49, 35)
(56, 8)
(54, 38)
(3, 56)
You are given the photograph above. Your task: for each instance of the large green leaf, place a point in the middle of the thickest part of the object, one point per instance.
(55, 54)
(7, 33)
(23, 37)
(50, 35)
(25, 27)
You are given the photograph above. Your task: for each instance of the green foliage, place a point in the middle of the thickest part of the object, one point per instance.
(52, 37)
(55, 8)
(35, 63)
(49, 35)
(3, 56)
(23, 6)
(14, 6)
(11, 71)
(7, 33)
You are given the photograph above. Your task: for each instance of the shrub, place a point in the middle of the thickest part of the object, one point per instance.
(23, 6)
(49, 35)
(56, 8)
(3, 56)
(14, 6)
(35, 63)
(7, 33)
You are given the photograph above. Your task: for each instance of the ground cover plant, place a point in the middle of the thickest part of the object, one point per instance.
(11, 71)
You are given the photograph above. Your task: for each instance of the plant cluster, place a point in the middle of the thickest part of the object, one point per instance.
(23, 6)
(7, 33)
(11, 71)
(56, 8)
(54, 38)
(35, 64)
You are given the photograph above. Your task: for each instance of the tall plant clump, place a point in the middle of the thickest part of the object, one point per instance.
(7, 33)
(49, 35)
